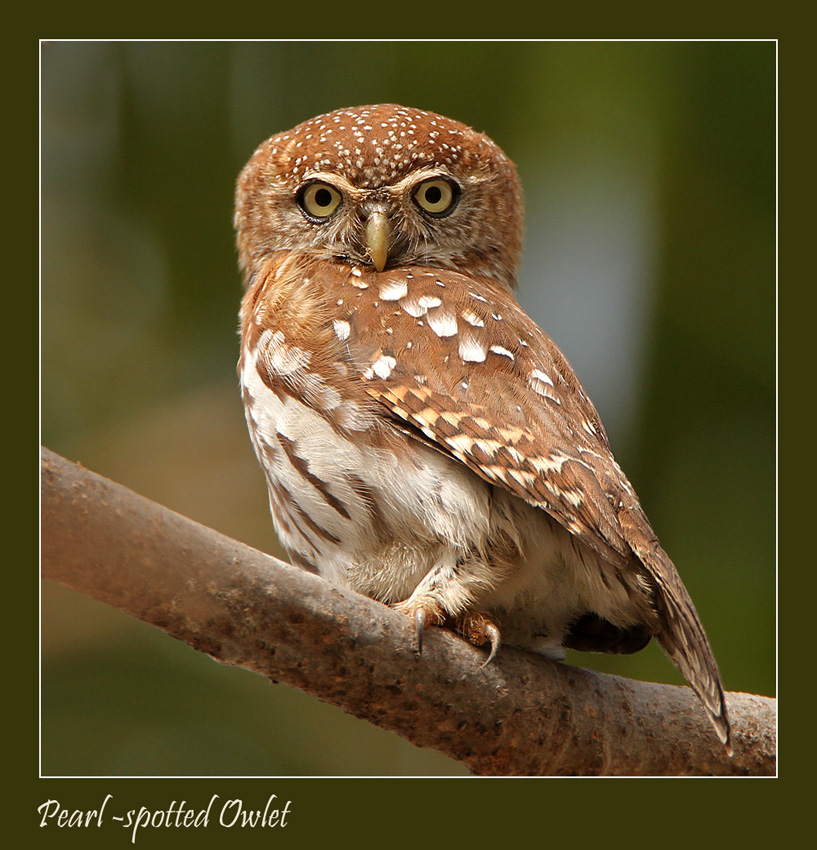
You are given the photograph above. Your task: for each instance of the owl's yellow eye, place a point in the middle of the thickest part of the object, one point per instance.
(437, 196)
(319, 200)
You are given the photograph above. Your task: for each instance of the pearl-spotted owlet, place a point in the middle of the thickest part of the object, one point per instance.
(423, 441)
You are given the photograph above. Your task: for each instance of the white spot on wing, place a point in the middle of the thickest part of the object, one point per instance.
(521, 476)
(461, 443)
(572, 497)
(541, 383)
(442, 322)
(342, 329)
(393, 290)
(382, 367)
(429, 301)
(548, 465)
(498, 349)
(471, 350)
(414, 307)
(538, 375)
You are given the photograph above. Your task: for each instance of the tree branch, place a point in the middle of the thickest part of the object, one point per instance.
(520, 715)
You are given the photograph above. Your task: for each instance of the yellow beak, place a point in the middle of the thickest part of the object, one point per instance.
(378, 234)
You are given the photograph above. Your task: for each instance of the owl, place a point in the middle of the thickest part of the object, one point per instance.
(424, 443)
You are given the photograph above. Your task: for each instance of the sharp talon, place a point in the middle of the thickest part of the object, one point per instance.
(423, 613)
(492, 633)
(420, 623)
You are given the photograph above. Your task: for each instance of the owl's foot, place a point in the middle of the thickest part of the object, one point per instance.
(424, 612)
(479, 630)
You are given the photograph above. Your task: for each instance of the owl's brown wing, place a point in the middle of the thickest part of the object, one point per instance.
(471, 372)
(474, 375)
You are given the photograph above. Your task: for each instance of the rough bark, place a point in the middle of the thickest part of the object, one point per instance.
(520, 715)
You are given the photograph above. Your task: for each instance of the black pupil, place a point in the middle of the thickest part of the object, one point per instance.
(323, 197)
(434, 194)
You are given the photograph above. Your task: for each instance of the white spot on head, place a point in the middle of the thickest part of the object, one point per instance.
(342, 329)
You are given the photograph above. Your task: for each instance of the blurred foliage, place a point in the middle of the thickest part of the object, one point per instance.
(649, 171)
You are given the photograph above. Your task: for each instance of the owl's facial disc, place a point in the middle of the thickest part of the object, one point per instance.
(379, 225)
(435, 197)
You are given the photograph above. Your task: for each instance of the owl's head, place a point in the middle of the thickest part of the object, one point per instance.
(383, 186)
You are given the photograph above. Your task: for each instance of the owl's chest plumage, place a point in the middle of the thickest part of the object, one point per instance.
(347, 375)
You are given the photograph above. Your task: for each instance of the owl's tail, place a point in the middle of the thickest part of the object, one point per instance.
(680, 633)
(683, 638)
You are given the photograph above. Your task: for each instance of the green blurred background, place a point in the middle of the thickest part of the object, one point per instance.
(649, 171)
